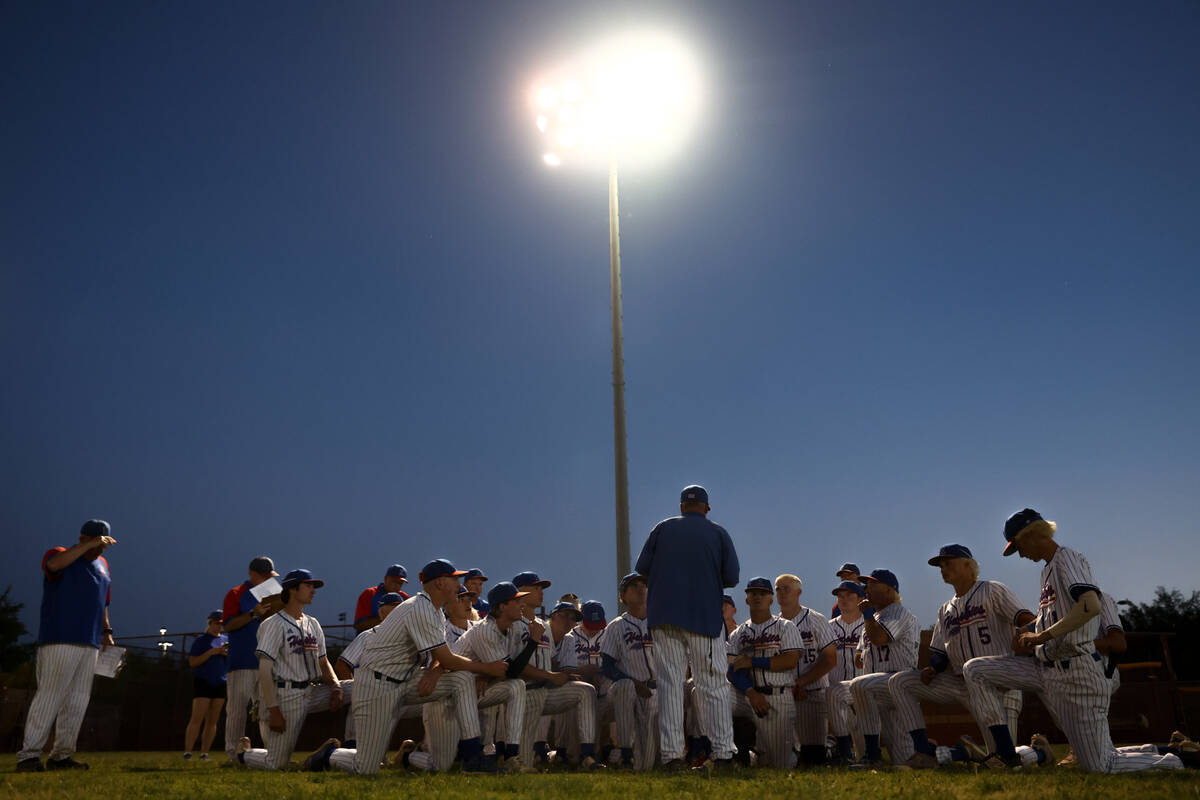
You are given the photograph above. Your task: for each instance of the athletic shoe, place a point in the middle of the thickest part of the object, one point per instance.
(204, 756)
(187, 756)
(1069, 761)
(722, 766)
(674, 765)
(243, 744)
(1042, 745)
(920, 761)
(30, 765)
(406, 749)
(318, 760)
(974, 751)
(1177, 738)
(999, 763)
(64, 763)
(590, 764)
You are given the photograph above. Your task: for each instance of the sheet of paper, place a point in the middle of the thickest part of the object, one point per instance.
(110, 661)
(265, 589)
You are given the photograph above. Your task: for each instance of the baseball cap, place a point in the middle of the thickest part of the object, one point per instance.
(950, 551)
(439, 568)
(502, 592)
(299, 576)
(465, 592)
(630, 578)
(523, 579)
(263, 566)
(593, 615)
(391, 599)
(569, 607)
(760, 585)
(396, 571)
(847, 567)
(727, 599)
(849, 586)
(475, 573)
(693, 494)
(884, 576)
(217, 615)
(94, 527)
(1017, 523)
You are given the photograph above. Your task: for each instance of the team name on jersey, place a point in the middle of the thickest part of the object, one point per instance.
(1049, 597)
(762, 641)
(302, 643)
(587, 651)
(971, 615)
(636, 640)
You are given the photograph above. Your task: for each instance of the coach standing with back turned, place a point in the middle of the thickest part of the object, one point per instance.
(688, 562)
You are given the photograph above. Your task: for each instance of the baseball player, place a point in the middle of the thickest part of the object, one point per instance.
(474, 581)
(763, 654)
(818, 657)
(847, 572)
(688, 561)
(627, 661)
(390, 675)
(563, 619)
(728, 615)
(366, 611)
(460, 615)
(890, 640)
(348, 660)
(291, 660)
(242, 616)
(1066, 670)
(74, 629)
(980, 619)
(589, 662)
(1111, 644)
(208, 660)
(847, 629)
(549, 692)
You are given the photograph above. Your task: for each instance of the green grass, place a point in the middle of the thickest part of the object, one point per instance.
(130, 776)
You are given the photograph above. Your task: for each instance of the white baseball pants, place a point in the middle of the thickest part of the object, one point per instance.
(877, 715)
(674, 647)
(241, 688)
(64, 689)
(812, 718)
(636, 722)
(295, 705)
(773, 734)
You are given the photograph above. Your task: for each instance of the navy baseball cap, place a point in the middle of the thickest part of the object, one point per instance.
(593, 615)
(760, 585)
(217, 615)
(391, 599)
(631, 578)
(94, 527)
(439, 568)
(1017, 523)
(849, 586)
(727, 599)
(475, 573)
(263, 566)
(299, 576)
(847, 567)
(396, 571)
(465, 592)
(950, 551)
(502, 592)
(884, 576)
(523, 579)
(693, 494)
(576, 614)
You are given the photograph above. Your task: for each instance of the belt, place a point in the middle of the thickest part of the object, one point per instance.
(1066, 662)
(379, 676)
(772, 689)
(294, 684)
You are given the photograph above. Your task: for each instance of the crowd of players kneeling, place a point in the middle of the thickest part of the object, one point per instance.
(498, 688)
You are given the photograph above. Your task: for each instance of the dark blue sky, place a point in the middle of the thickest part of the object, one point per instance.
(291, 279)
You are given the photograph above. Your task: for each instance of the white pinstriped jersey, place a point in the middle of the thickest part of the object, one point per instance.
(815, 636)
(484, 641)
(901, 650)
(765, 639)
(1067, 576)
(628, 641)
(453, 632)
(1110, 620)
(980, 623)
(353, 652)
(846, 636)
(403, 640)
(587, 653)
(564, 653)
(295, 646)
(543, 656)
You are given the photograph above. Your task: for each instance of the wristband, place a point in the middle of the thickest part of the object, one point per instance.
(869, 613)
(761, 662)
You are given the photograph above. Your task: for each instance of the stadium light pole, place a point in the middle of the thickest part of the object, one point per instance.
(631, 97)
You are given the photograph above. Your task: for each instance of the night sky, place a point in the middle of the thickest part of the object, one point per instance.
(291, 279)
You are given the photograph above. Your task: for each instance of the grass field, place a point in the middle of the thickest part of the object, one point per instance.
(130, 776)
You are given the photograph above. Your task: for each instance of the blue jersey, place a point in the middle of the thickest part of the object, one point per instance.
(243, 641)
(688, 561)
(213, 670)
(73, 601)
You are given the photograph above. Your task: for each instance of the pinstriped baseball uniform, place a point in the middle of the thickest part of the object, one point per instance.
(485, 641)
(628, 641)
(774, 732)
(846, 636)
(454, 633)
(979, 623)
(548, 699)
(587, 653)
(872, 701)
(1110, 620)
(812, 713)
(1067, 673)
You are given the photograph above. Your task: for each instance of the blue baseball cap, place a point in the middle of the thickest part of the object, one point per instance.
(950, 551)
(299, 576)
(94, 527)
(502, 592)
(390, 599)
(439, 568)
(217, 615)
(693, 494)
(727, 599)
(847, 567)
(463, 591)
(884, 576)
(849, 586)
(760, 585)
(523, 579)
(475, 573)
(592, 612)
(1017, 523)
(396, 571)
(631, 578)
(565, 606)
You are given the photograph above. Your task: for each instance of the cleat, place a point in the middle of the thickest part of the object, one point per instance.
(1177, 738)
(243, 744)
(999, 763)
(974, 751)
(30, 765)
(64, 763)
(406, 749)
(1069, 761)
(674, 765)
(187, 756)
(1040, 743)
(204, 756)
(920, 761)
(318, 760)
(590, 764)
